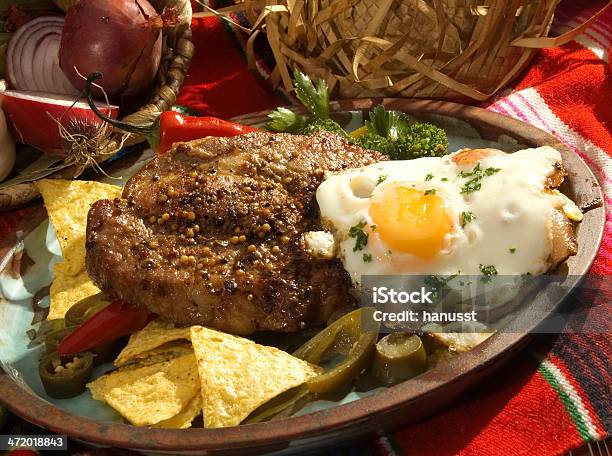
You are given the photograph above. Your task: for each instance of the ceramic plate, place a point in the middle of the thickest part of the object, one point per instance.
(32, 249)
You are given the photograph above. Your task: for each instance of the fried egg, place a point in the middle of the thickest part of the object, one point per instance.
(458, 214)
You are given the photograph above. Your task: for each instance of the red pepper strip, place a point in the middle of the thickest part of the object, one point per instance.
(174, 127)
(170, 127)
(115, 320)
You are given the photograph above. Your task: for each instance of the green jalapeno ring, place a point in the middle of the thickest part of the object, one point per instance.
(399, 356)
(83, 310)
(345, 335)
(102, 354)
(64, 381)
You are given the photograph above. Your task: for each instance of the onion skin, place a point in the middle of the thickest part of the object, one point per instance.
(120, 38)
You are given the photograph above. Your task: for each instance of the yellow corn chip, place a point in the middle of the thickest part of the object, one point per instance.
(159, 354)
(183, 420)
(238, 375)
(150, 394)
(66, 290)
(154, 335)
(68, 203)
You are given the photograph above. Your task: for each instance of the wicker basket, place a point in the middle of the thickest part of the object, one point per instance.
(446, 49)
(177, 52)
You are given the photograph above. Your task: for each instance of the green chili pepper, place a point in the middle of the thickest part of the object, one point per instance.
(343, 337)
(83, 310)
(275, 406)
(102, 353)
(65, 379)
(398, 358)
(54, 338)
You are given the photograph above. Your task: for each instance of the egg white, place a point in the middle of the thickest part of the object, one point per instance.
(511, 229)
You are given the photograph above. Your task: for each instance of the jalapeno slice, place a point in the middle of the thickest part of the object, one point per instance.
(63, 380)
(83, 310)
(342, 337)
(277, 405)
(399, 357)
(102, 353)
(54, 338)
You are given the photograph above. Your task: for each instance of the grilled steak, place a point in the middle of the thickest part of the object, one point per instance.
(210, 233)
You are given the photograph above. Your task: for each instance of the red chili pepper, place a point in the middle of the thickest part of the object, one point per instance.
(174, 127)
(170, 126)
(114, 321)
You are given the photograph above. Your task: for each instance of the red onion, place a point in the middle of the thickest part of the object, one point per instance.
(32, 61)
(119, 38)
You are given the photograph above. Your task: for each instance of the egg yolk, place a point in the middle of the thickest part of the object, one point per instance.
(410, 220)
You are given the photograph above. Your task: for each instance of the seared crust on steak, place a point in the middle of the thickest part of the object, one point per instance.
(210, 233)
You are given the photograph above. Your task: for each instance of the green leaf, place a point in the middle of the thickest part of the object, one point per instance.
(285, 120)
(388, 124)
(315, 99)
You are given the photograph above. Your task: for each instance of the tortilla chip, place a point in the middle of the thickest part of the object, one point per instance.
(238, 375)
(150, 394)
(184, 419)
(154, 335)
(68, 203)
(66, 290)
(162, 353)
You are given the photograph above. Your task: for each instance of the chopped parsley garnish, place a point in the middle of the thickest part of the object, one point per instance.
(487, 272)
(475, 172)
(512, 249)
(429, 177)
(437, 283)
(367, 257)
(431, 191)
(444, 179)
(475, 183)
(466, 217)
(361, 237)
(525, 276)
(381, 179)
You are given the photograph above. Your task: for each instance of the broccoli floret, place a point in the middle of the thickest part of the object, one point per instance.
(419, 140)
(323, 125)
(388, 132)
(423, 140)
